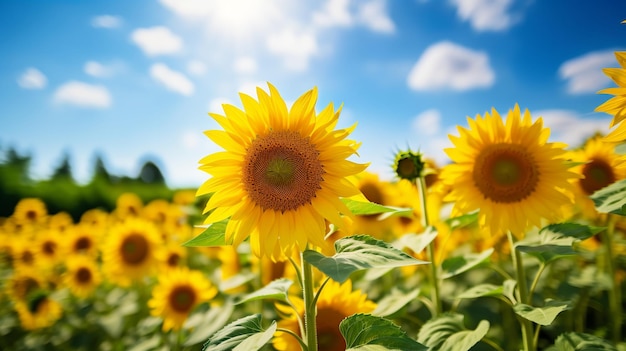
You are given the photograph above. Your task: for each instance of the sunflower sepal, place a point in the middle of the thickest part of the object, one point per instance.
(358, 252)
(364, 331)
(245, 333)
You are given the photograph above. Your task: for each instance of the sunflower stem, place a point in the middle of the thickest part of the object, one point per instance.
(523, 295)
(430, 251)
(615, 294)
(309, 306)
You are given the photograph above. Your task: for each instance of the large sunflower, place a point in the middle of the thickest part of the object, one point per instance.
(508, 171)
(599, 166)
(336, 302)
(178, 292)
(616, 105)
(281, 172)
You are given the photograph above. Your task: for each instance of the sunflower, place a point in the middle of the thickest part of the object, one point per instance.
(508, 171)
(616, 106)
(131, 251)
(49, 246)
(282, 172)
(82, 276)
(599, 166)
(128, 205)
(24, 254)
(177, 293)
(40, 311)
(82, 239)
(30, 211)
(380, 192)
(60, 221)
(336, 302)
(24, 282)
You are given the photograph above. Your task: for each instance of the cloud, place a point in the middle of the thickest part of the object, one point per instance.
(584, 74)
(97, 69)
(196, 67)
(172, 80)
(448, 65)
(245, 65)
(334, 13)
(156, 41)
(295, 47)
(427, 122)
(106, 21)
(570, 127)
(485, 15)
(83, 95)
(373, 15)
(32, 78)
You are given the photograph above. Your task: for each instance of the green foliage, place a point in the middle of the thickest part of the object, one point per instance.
(541, 315)
(276, 290)
(364, 332)
(448, 332)
(580, 342)
(611, 199)
(244, 334)
(213, 235)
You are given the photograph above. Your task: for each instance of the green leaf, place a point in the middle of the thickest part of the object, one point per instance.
(238, 332)
(358, 252)
(462, 221)
(574, 230)
(459, 264)
(611, 199)
(572, 341)
(418, 242)
(541, 315)
(394, 301)
(364, 332)
(481, 290)
(370, 208)
(508, 290)
(276, 290)
(465, 340)
(205, 324)
(448, 330)
(548, 253)
(213, 235)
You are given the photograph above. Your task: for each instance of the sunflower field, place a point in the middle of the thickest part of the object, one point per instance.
(518, 243)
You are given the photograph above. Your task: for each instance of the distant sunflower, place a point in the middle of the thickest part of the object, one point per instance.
(379, 192)
(599, 166)
(509, 172)
(60, 221)
(82, 239)
(40, 311)
(82, 276)
(23, 283)
(336, 302)
(30, 211)
(128, 205)
(131, 251)
(49, 246)
(177, 293)
(282, 172)
(24, 254)
(616, 106)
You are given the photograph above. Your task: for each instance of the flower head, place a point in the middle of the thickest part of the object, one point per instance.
(616, 105)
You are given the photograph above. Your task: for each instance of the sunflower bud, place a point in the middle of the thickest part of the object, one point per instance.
(409, 165)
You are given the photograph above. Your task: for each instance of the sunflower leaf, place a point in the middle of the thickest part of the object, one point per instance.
(371, 208)
(548, 253)
(611, 199)
(462, 221)
(572, 341)
(572, 230)
(466, 339)
(213, 235)
(459, 264)
(448, 332)
(204, 324)
(541, 315)
(394, 301)
(418, 242)
(358, 252)
(481, 291)
(364, 332)
(243, 334)
(276, 290)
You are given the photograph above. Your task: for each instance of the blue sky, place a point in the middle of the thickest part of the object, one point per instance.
(134, 80)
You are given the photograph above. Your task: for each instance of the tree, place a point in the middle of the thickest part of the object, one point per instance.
(100, 172)
(151, 174)
(64, 170)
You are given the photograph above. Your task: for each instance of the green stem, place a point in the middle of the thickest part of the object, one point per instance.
(296, 336)
(615, 294)
(524, 297)
(309, 306)
(492, 344)
(536, 280)
(430, 250)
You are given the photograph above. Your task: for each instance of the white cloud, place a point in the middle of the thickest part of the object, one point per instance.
(427, 122)
(196, 67)
(157, 41)
(32, 78)
(448, 65)
(374, 16)
(485, 15)
(172, 80)
(215, 105)
(570, 127)
(334, 13)
(83, 95)
(294, 46)
(584, 73)
(245, 65)
(97, 69)
(106, 21)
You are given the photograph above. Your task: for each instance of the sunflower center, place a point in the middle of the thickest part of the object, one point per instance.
(505, 173)
(82, 244)
(328, 335)
(373, 194)
(173, 259)
(134, 249)
(182, 298)
(598, 174)
(49, 248)
(31, 215)
(28, 257)
(282, 171)
(83, 275)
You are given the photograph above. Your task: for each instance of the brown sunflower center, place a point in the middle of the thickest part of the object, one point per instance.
(49, 248)
(373, 194)
(328, 334)
(28, 257)
(598, 174)
(82, 244)
(134, 249)
(173, 259)
(182, 298)
(282, 171)
(31, 215)
(83, 275)
(25, 286)
(505, 173)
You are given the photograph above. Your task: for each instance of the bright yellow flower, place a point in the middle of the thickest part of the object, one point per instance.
(128, 205)
(336, 302)
(39, 312)
(509, 172)
(599, 166)
(60, 221)
(82, 276)
(30, 211)
(132, 251)
(24, 282)
(82, 239)
(616, 105)
(177, 293)
(282, 172)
